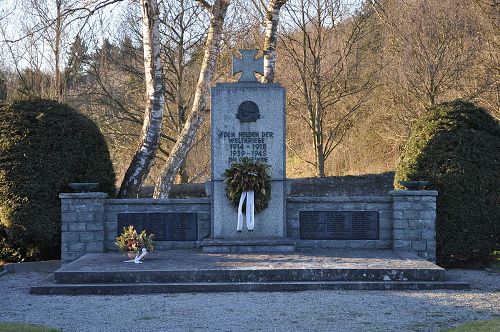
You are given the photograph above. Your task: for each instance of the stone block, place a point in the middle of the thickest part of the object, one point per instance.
(400, 224)
(95, 226)
(350, 206)
(70, 237)
(429, 205)
(414, 234)
(87, 237)
(110, 236)
(431, 257)
(76, 227)
(411, 214)
(110, 246)
(93, 247)
(386, 215)
(293, 233)
(428, 198)
(422, 254)
(399, 234)
(397, 215)
(99, 236)
(384, 244)
(428, 225)
(419, 245)
(111, 225)
(385, 234)
(367, 244)
(428, 234)
(111, 216)
(401, 244)
(417, 206)
(402, 206)
(68, 217)
(64, 247)
(293, 223)
(77, 247)
(85, 216)
(415, 224)
(81, 208)
(64, 227)
(116, 208)
(431, 246)
(377, 206)
(430, 215)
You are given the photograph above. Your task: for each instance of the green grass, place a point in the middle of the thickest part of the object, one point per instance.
(477, 326)
(17, 327)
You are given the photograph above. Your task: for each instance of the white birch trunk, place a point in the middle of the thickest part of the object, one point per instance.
(153, 115)
(270, 39)
(199, 107)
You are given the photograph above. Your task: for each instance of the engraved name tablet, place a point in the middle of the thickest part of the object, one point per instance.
(339, 225)
(165, 226)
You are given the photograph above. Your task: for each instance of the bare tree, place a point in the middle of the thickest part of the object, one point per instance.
(322, 46)
(270, 39)
(199, 107)
(153, 116)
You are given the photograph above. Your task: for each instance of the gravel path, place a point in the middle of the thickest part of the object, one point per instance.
(299, 311)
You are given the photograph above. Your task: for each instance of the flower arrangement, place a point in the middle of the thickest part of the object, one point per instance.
(130, 241)
(245, 176)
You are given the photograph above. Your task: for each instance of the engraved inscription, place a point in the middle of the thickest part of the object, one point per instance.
(339, 225)
(165, 226)
(252, 145)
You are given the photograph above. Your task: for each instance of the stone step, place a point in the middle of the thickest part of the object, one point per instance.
(215, 246)
(247, 275)
(48, 287)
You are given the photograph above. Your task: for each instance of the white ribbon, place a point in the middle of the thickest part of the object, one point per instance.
(250, 209)
(138, 257)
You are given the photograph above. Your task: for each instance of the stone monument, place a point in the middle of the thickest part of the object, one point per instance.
(248, 121)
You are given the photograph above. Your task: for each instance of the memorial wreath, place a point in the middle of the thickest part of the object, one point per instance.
(248, 176)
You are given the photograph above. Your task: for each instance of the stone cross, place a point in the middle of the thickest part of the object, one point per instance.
(248, 65)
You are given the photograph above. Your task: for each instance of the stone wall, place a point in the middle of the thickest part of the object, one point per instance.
(89, 221)
(406, 221)
(382, 204)
(414, 220)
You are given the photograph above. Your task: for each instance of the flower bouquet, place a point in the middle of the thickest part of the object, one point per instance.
(135, 245)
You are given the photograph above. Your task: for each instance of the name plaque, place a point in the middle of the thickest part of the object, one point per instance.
(339, 225)
(165, 226)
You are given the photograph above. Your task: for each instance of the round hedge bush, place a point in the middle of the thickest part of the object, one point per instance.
(456, 146)
(44, 145)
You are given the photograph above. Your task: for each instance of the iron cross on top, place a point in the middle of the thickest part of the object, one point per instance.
(248, 65)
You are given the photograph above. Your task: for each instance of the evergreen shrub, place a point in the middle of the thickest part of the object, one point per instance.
(44, 146)
(456, 146)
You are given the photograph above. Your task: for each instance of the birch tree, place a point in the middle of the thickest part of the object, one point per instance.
(151, 130)
(270, 38)
(199, 106)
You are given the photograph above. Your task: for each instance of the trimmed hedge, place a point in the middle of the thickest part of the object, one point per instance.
(456, 146)
(44, 145)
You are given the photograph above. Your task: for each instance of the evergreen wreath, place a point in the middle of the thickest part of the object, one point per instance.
(245, 176)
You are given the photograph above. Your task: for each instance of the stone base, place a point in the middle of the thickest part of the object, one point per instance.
(248, 246)
(192, 271)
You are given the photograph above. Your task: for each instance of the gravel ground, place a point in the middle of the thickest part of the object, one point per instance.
(298, 311)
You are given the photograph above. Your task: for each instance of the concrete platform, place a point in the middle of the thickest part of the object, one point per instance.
(193, 271)
(248, 246)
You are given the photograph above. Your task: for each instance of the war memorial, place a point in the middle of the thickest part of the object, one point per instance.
(297, 242)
